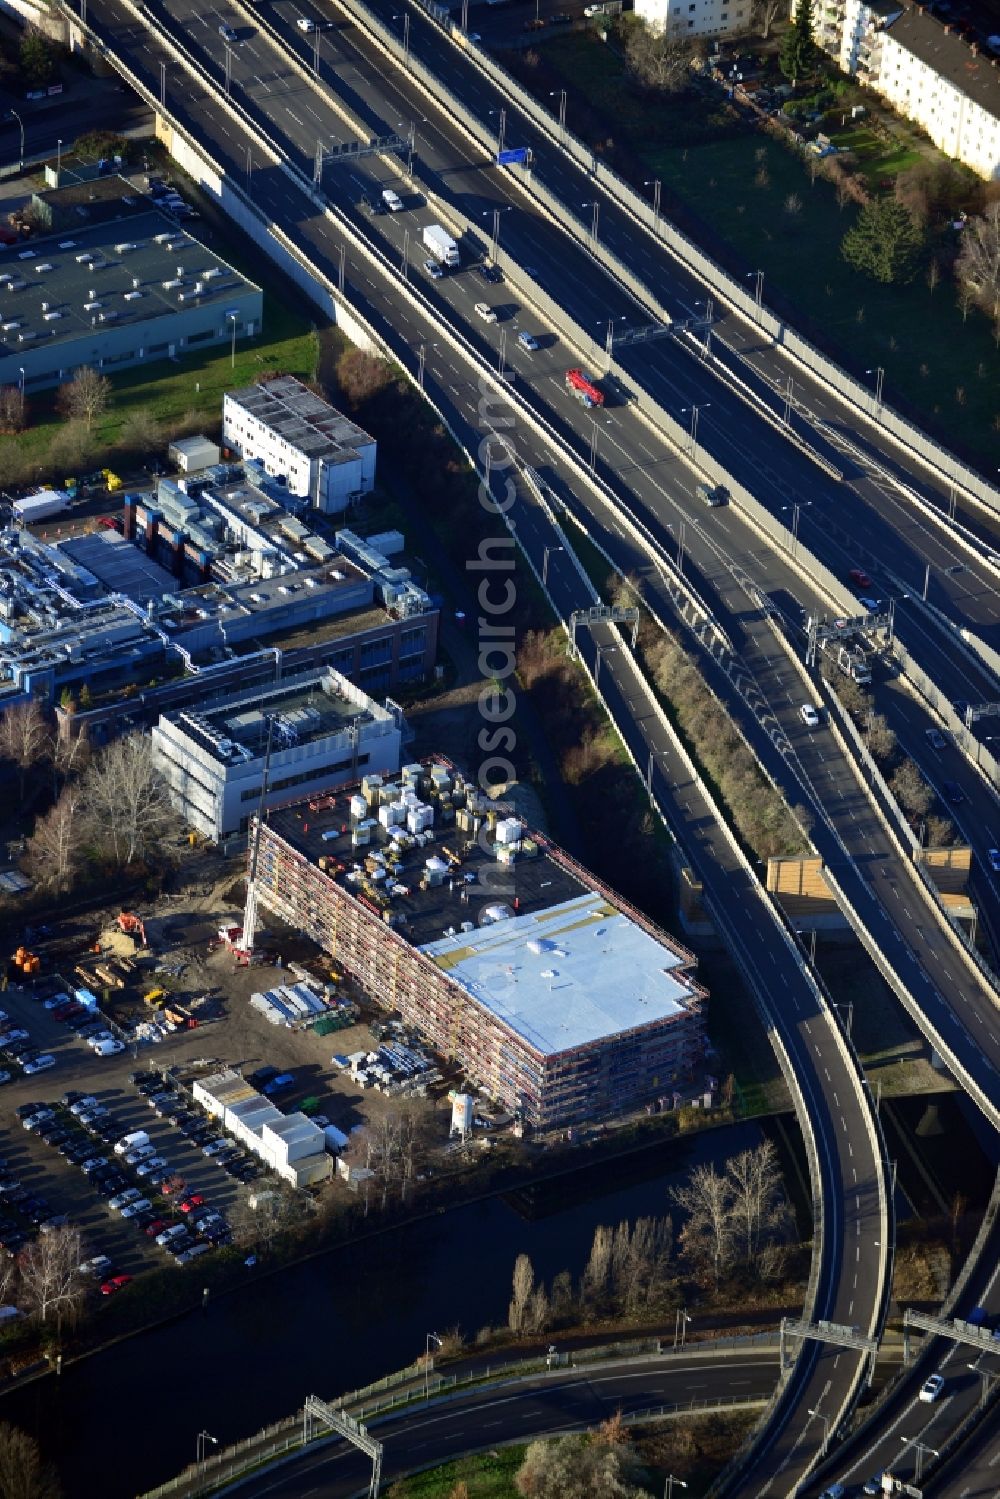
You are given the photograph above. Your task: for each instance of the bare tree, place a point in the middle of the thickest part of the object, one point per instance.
(657, 60)
(523, 1287)
(10, 1280)
(978, 265)
(51, 1281)
(70, 753)
(56, 845)
(764, 13)
(12, 408)
(128, 810)
(596, 1277)
(23, 1475)
(72, 446)
(361, 375)
(24, 737)
(760, 1213)
(911, 790)
(707, 1235)
(86, 396)
(262, 1215)
(141, 432)
(881, 738)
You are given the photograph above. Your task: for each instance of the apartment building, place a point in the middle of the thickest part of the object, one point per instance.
(927, 69)
(696, 18)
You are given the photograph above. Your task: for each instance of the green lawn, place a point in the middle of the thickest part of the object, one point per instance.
(756, 194)
(489, 1475)
(176, 393)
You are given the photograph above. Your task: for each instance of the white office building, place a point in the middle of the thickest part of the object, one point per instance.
(321, 456)
(323, 732)
(691, 18)
(925, 69)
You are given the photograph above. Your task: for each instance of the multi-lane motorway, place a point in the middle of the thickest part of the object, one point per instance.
(563, 1400)
(640, 466)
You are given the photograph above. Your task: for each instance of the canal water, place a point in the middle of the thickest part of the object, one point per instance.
(123, 1421)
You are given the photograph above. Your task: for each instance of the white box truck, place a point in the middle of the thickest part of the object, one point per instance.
(441, 245)
(37, 507)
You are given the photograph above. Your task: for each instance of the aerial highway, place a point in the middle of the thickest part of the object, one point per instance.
(868, 507)
(563, 1400)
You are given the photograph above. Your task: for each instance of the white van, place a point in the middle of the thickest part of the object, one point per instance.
(392, 200)
(129, 1142)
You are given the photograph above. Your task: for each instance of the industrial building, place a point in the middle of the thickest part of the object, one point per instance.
(125, 286)
(318, 729)
(510, 959)
(290, 1144)
(322, 456)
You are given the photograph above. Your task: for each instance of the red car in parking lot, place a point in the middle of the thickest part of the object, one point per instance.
(116, 1283)
(194, 1201)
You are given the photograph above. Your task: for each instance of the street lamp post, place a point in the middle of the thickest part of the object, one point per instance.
(163, 84)
(657, 186)
(495, 243)
(826, 1428)
(465, 15)
(21, 124)
(501, 128)
(21, 381)
(879, 374)
(927, 581)
(249, 167)
(593, 444)
(545, 563)
(405, 18)
(922, 1450)
(681, 1320)
(229, 67)
(203, 1437)
(987, 1381)
(758, 295)
(562, 108)
(796, 508)
(432, 1337)
(232, 316)
(595, 217)
(421, 361)
(406, 255)
(668, 1486)
(58, 159)
(502, 357)
(788, 402)
(952, 499)
(694, 410)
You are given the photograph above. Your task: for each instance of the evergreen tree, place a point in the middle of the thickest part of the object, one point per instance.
(885, 242)
(797, 57)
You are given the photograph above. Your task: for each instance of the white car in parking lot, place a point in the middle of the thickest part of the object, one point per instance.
(83, 1105)
(130, 1194)
(133, 1209)
(56, 1001)
(168, 1234)
(139, 1154)
(153, 1164)
(39, 1064)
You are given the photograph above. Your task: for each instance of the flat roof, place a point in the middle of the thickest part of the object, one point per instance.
(119, 565)
(121, 252)
(422, 916)
(567, 976)
(302, 418)
(315, 705)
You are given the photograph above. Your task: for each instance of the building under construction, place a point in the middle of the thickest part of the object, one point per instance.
(511, 960)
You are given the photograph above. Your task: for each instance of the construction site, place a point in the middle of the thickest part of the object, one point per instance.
(513, 962)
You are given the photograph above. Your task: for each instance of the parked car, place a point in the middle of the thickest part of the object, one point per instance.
(168, 1234)
(40, 1064)
(99, 1265)
(93, 1163)
(39, 1118)
(139, 1154)
(130, 1194)
(115, 1284)
(83, 1103)
(194, 1201)
(152, 1165)
(15, 1034)
(133, 1209)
